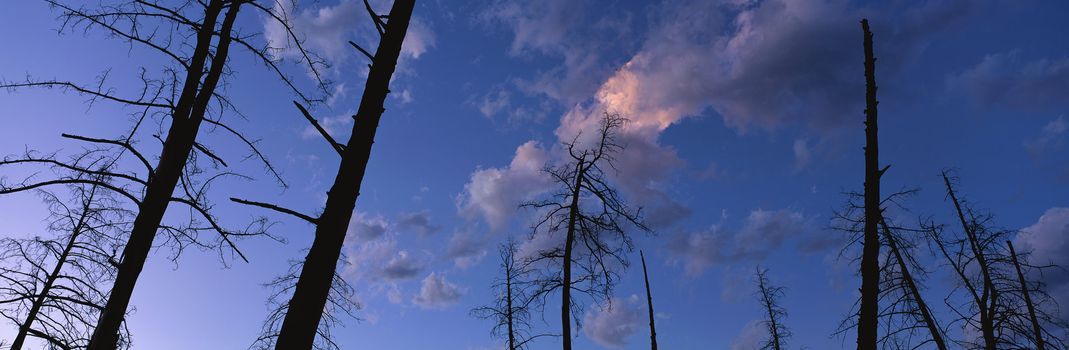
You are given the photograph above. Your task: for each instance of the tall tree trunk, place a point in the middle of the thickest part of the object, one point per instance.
(186, 119)
(988, 301)
(313, 287)
(50, 280)
(569, 241)
(508, 305)
(1040, 344)
(929, 320)
(649, 302)
(870, 269)
(768, 300)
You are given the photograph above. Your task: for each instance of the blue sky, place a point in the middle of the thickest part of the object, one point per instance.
(746, 129)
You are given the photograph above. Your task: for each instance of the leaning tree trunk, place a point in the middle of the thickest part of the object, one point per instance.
(569, 241)
(185, 123)
(1040, 344)
(988, 301)
(50, 280)
(926, 314)
(313, 287)
(649, 302)
(509, 310)
(870, 268)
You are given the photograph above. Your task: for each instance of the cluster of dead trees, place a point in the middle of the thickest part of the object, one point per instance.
(109, 210)
(997, 300)
(72, 290)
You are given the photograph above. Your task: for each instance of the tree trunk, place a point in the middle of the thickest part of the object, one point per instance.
(508, 305)
(50, 280)
(929, 320)
(186, 119)
(870, 269)
(989, 296)
(313, 287)
(1040, 344)
(566, 289)
(649, 302)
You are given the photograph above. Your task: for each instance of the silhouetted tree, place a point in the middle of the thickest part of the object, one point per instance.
(769, 296)
(340, 303)
(318, 273)
(196, 37)
(868, 314)
(997, 303)
(1037, 329)
(904, 307)
(511, 310)
(52, 287)
(649, 302)
(590, 214)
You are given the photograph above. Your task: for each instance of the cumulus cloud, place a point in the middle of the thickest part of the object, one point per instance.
(493, 194)
(1010, 79)
(611, 324)
(365, 227)
(419, 222)
(402, 266)
(762, 232)
(1048, 240)
(466, 249)
(326, 30)
(751, 337)
(437, 293)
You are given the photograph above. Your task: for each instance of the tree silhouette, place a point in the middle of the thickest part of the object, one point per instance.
(769, 296)
(53, 286)
(592, 217)
(649, 302)
(905, 308)
(870, 268)
(997, 297)
(196, 38)
(511, 310)
(318, 273)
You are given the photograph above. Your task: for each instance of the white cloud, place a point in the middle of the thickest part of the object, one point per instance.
(762, 232)
(611, 324)
(1048, 241)
(751, 337)
(493, 194)
(437, 293)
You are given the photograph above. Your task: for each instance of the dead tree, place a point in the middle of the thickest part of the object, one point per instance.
(196, 38)
(905, 317)
(905, 308)
(593, 218)
(53, 287)
(1037, 329)
(870, 270)
(769, 296)
(649, 302)
(997, 294)
(976, 250)
(340, 303)
(511, 310)
(312, 288)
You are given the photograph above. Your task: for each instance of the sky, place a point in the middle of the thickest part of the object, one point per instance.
(745, 131)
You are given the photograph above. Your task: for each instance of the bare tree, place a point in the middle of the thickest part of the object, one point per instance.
(905, 308)
(511, 310)
(593, 218)
(196, 37)
(318, 273)
(53, 286)
(649, 302)
(769, 296)
(870, 269)
(1037, 329)
(340, 303)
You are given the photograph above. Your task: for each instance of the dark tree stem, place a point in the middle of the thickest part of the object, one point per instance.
(313, 287)
(870, 269)
(566, 289)
(1040, 344)
(911, 285)
(987, 303)
(186, 120)
(649, 302)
